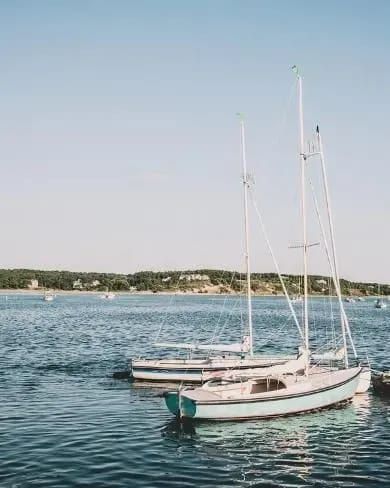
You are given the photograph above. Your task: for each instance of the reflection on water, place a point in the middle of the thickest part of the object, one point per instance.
(65, 422)
(285, 450)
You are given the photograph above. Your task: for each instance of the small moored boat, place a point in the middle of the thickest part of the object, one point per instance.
(379, 303)
(48, 296)
(264, 397)
(381, 383)
(109, 295)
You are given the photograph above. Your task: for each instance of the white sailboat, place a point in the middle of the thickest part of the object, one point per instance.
(196, 370)
(296, 299)
(379, 302)
(278, 392)
(48, 296)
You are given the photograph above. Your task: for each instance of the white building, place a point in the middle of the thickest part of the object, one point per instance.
(194, 277)
(321, 282)
(33, 285)
(77, 285)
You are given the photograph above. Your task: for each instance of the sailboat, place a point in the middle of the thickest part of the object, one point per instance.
(48, 296)
(278, 392)
(379, 302)
(297, 297)
(242, 357)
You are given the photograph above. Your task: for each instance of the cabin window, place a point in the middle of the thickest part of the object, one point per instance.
(265, 385)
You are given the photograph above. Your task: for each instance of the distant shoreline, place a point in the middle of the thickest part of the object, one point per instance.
(181, 283)
(22, 291)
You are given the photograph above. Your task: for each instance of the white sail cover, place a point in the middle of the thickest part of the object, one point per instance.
(337, 355)
(291, 366)
(238, 347)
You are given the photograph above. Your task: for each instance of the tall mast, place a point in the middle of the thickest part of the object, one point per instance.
(344, 318)
(245, 181)
(303, 200)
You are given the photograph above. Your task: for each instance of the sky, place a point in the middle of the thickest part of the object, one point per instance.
(119, 140)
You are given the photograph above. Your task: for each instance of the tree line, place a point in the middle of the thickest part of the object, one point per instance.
(156, 281)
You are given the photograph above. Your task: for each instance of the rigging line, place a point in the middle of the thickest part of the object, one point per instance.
(170, 303)
(226, 321)
(215, 334)
(328, 333)
(229, 317)
(223, 325)
(199, 330)
(333, 318)
(269, 337)
(332, 269)
(286, 109)
(164, 318)
(345, 323)
(218, 329)
(275, 264)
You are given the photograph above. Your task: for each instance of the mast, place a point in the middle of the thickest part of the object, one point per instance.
(344, 318)
(303, 210)
(245, 181)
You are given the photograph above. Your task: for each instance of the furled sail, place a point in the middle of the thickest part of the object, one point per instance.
(238, 347)
(288, 366)
(337, 355)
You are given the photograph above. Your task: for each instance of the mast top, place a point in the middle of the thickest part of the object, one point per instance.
(296, 70)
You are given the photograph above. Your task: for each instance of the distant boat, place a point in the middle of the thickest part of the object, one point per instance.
(360, 299)
(381, 383)
(379, 303)
(349, 300)
(48, 296)
(109, 295)
(297, 299)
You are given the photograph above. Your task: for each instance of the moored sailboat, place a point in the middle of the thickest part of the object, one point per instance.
(379, 302)
(193, 369)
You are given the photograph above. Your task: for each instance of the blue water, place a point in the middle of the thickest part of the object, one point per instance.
(64, 422)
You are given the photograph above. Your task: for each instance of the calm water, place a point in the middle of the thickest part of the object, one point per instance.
(65, 423)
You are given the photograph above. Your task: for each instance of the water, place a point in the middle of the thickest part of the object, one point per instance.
(64, 422)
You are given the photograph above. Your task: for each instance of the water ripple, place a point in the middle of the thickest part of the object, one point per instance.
(65, 422)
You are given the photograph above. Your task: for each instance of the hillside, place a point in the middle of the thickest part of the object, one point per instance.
(196, 281)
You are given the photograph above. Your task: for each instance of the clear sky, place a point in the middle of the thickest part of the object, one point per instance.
(119, 144)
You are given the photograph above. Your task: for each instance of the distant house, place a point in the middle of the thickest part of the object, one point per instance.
(77, 285)
(95, 283)
(321, 282)
(165, 280)
(33, 285)
(194, 277)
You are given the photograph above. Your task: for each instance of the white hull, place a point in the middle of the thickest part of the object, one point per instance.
(194, 370)
(299, 395)
(364, 381)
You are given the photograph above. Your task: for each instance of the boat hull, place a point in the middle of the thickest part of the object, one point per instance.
(364, 381)
(249, 408)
